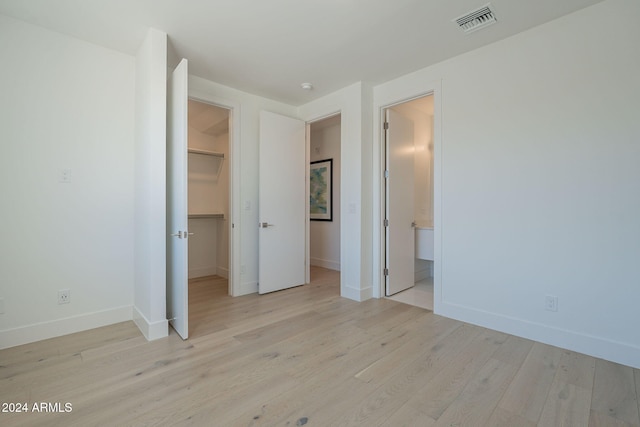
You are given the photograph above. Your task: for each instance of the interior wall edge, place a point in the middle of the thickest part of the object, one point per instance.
(150, 330)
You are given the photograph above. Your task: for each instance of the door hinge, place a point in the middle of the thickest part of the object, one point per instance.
(386, 125)
(386, 173)
(386, 222)
(386, 272)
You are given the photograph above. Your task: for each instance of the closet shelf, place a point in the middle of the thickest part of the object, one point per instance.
(206, 215)
(205, 152)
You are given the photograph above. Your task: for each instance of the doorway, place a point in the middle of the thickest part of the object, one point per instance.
(208, 201)
(324, 198)
(409, 202)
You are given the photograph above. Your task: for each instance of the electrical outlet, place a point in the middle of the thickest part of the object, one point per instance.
(551, 303)
(64, 296)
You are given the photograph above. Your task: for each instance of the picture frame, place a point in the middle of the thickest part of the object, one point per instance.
(321, 190)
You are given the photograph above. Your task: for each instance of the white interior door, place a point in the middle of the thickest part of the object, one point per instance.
(282, 204)
(177, 216)
(400, 235)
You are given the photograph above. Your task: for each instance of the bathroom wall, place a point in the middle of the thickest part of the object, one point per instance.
(423, 184)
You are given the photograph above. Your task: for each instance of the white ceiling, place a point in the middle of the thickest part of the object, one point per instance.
(270, 47)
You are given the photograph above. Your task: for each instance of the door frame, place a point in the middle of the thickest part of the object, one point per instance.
(381, 103)
(233, 222)
(308, 123)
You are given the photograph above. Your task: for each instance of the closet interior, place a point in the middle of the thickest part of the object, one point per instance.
(208, 191)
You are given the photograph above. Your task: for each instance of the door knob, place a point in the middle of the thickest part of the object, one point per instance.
(178, 234)
(265, 225)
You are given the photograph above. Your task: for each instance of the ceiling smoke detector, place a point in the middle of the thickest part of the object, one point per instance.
(476, 19)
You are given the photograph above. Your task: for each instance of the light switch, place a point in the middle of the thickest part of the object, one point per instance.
(64, 176)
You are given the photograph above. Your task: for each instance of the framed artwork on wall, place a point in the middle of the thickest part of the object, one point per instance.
(321, 190)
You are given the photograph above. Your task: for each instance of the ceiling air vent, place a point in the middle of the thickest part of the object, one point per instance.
(477, 19)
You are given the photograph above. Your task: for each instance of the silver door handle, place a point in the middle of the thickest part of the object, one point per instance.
(188, 234)
(178, 234)
(265, 225)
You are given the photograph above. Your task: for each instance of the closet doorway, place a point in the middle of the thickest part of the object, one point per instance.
(208, 195)
(324, 196)
(409, 202)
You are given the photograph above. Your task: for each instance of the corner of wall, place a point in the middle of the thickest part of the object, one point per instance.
(150, 330)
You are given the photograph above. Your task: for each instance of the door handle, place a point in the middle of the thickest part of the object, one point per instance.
(265, 225)
(178, 234)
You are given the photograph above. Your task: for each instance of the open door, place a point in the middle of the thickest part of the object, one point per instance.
(177, 216)
(282, 192)
(400, 233)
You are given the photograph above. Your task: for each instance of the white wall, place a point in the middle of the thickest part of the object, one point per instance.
(356, 196)
(539, 181)
(64, 104)
(150, 186)
(324, 236)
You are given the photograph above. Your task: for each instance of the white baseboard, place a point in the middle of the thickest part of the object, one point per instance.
(68, 325)
(246, 289)
(325, 263)
(150, 330)
(618, 352)
(422, 274)
(223, 272)
(355, 293)
(202, 271)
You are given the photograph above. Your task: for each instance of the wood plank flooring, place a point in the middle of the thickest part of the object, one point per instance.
(306, 356)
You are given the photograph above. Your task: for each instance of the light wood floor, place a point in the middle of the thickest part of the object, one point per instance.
(306, 356)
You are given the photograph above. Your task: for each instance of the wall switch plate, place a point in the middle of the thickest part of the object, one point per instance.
(64, 176)
(551, 303)
(64, 296)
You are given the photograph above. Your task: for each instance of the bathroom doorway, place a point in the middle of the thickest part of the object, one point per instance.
(409, 202)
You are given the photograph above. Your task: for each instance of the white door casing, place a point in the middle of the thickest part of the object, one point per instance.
(177, 215)
(282, 203)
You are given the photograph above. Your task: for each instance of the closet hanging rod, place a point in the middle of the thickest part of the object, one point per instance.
(209, 215)
(205, 152)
